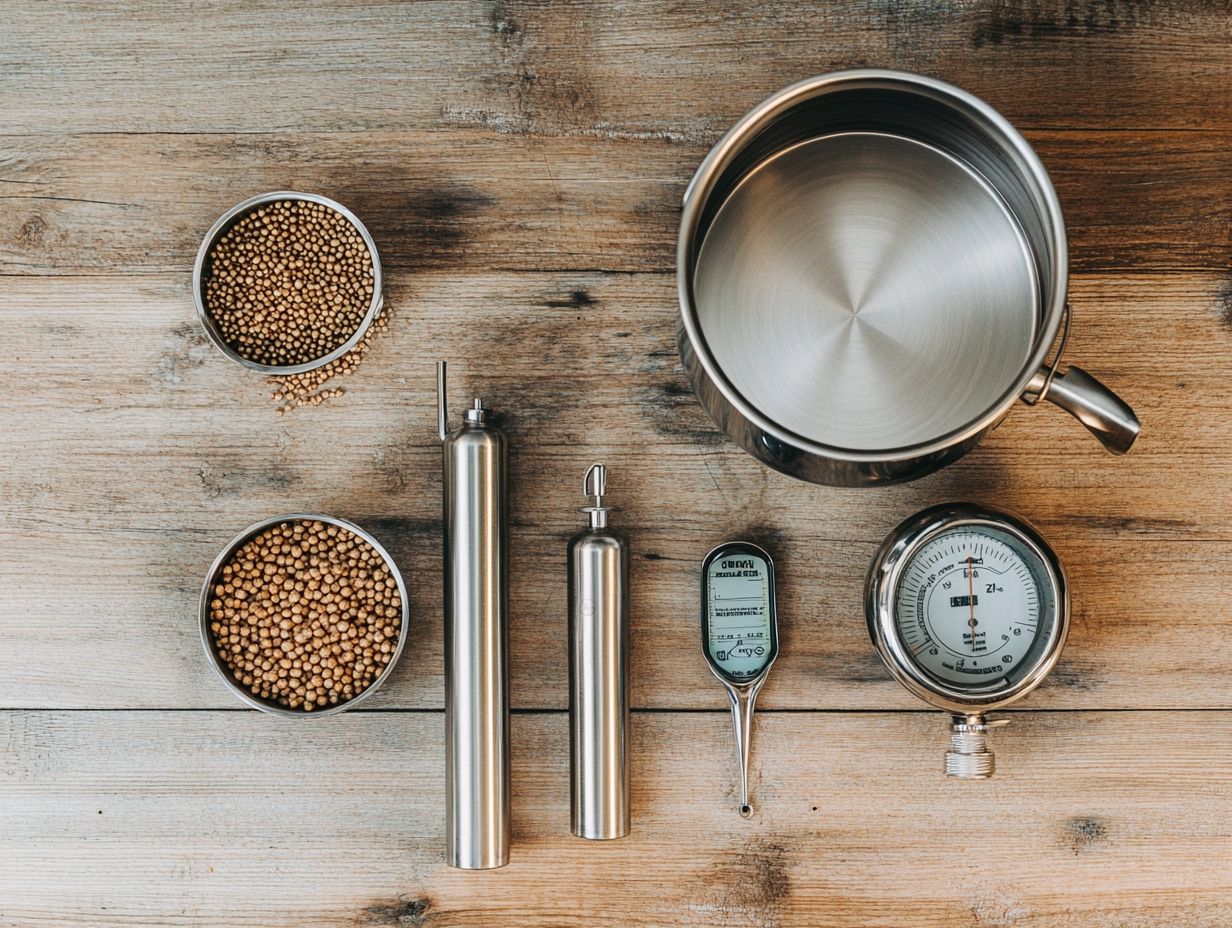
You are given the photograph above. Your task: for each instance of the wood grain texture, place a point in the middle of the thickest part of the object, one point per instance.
(475, 200)
(621, 69)
(1099, 820)
(520, 164)
(134, 451)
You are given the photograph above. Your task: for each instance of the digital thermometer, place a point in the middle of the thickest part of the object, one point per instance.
(740, 635)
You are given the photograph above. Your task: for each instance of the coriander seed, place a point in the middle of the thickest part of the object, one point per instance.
(289, 282)
(306, 614)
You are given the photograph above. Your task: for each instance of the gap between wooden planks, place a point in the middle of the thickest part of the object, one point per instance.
(134, 451)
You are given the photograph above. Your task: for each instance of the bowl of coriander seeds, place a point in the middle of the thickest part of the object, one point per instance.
(303, 615)
(286, 282)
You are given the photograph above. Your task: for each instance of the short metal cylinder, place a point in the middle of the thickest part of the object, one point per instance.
(969, 757)
(599, 684)
(477, 793)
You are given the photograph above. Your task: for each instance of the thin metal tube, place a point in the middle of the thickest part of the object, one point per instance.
(477, 788)
(598, 675)
(743, 702)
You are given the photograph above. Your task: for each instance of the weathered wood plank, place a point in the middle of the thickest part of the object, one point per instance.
(622, 69)
(1094, 820)
(505, 155)
(133, 451)
(474, 200)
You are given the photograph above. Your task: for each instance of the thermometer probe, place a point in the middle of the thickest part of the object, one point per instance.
(740, 635)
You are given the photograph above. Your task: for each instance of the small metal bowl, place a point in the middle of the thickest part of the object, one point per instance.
(207, 637)
(230, 218)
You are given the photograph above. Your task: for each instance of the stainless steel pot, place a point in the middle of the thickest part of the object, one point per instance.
(872, 270)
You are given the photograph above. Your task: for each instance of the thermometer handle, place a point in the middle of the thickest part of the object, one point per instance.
(743, 701)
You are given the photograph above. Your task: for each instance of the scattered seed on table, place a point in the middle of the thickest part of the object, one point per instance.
(294, 390)
(306, 614)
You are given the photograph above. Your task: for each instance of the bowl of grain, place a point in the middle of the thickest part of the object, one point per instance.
(303, 615)
(287, 282)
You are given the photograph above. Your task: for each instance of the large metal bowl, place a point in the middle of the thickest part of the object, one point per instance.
(201, 268)
(207, 638)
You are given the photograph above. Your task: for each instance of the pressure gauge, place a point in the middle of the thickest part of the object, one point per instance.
(968, 608)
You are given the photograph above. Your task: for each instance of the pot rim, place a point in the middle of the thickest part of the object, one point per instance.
(228, 219)
(207, 637)
(725, 150)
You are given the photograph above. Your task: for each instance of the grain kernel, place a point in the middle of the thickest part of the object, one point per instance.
(283, 640)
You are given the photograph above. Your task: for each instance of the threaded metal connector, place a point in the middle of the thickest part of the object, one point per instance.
(969, 757)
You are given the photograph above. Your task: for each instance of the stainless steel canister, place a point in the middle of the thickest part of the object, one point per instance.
(477, 794)
(872, 270)
(598, 672)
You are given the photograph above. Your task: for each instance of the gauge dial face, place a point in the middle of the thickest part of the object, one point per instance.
(738, 605)
(974, 607)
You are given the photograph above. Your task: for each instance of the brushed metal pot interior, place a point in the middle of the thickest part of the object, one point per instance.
(872, 270)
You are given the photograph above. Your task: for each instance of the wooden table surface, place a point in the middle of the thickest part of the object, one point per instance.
(520, 166)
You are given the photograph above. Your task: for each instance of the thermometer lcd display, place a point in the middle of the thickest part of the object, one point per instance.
(738, 620)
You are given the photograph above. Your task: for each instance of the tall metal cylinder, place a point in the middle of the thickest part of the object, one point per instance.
(477, 794)
(598, 673)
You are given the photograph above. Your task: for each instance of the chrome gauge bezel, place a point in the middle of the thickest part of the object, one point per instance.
(886, 573)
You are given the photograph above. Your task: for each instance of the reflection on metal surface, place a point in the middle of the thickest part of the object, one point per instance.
(477, 787)
(866, 291)
(872, 270)
(960, 650)
(598, 673)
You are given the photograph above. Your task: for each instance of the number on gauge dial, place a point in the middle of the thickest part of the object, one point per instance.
(970, 607)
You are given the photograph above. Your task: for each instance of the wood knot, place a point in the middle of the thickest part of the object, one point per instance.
(754, 883)
(577, 299)
(1082, 832)
(32, 231)
(1223, 303)
(402, 912)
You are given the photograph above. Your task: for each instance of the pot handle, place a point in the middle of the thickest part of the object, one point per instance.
(1107, 416)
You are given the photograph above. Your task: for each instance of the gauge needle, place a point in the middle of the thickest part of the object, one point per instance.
(971, 597)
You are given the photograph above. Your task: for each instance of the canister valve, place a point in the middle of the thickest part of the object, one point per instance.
(594, 485)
